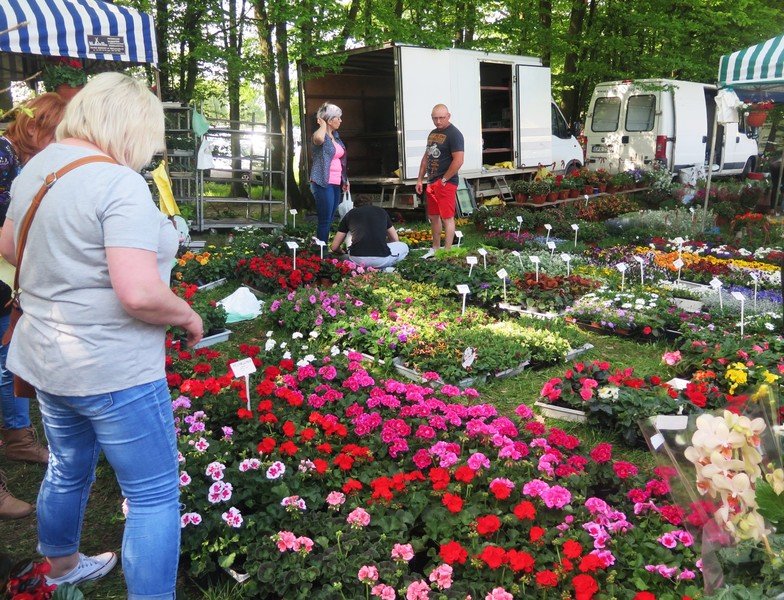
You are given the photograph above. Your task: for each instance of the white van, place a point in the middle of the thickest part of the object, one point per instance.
(636, 124)
(501, 103)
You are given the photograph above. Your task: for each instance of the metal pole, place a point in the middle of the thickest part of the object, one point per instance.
(777, 193)
(710, 167)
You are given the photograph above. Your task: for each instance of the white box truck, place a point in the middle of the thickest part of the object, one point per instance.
(635, 124)
(501, 103)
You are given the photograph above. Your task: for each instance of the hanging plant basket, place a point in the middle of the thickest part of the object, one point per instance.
(756, 118)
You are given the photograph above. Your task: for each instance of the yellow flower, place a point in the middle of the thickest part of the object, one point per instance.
(770, 377)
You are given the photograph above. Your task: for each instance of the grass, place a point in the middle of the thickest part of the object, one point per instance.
(104, 521)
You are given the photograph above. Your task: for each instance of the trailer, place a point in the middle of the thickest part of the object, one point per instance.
(501, 103)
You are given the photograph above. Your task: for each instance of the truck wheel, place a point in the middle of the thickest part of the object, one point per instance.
(573, 165)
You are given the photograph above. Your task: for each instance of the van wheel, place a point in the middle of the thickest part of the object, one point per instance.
(572, 166)
(751, 163)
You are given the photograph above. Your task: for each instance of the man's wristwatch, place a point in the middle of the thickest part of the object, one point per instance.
(443, 181)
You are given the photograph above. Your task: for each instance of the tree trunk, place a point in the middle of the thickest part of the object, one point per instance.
(238, 190)
(284, 96)
(545, 20)
(162, 41)
(571, 95)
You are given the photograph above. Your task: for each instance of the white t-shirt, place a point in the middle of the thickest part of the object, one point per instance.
(75, 338)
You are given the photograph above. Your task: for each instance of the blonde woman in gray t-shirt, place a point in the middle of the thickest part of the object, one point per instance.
(96, 301)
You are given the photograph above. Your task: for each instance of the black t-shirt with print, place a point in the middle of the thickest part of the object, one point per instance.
(368, 225)
(441, 143)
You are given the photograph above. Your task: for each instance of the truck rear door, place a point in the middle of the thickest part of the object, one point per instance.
(602, 129)
(638, 139)
(691, 125)
(534, 131)
(424, 80)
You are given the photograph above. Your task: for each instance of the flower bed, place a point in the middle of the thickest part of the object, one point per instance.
(337, 485)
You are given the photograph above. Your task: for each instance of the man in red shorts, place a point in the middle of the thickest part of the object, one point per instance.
(441, 162)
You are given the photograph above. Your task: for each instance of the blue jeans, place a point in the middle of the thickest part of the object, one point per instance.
(135, 429)
(16, 411)
(327, 200)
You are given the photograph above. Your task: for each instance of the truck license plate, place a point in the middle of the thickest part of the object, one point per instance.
(598, 148)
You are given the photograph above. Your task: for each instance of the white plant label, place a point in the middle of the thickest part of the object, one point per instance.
(742, 299)
(472, 260)
(243, 367)
(548, 227)
(716, 283)
(535, 259)
(575, 226)
(739, 297)
(551, 246)
(292, 245)
(293, 212)
(519, 258)
(622, 266)
(520, 219)
(469, 356)
(678, 264)
(459, 236)
(463, 289)
(320, 243)
(639, 259)
(568, 260)
(502, 274)
(671, 422)
(482, 251)
(656, 441)
(565, 257)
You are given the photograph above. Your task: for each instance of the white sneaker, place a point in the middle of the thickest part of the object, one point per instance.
(87, 569)
(429, 254)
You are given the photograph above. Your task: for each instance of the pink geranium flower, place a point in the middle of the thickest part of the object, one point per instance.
(402, 552)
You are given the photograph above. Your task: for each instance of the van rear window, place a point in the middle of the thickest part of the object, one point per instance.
(640, 113)
(605, 114)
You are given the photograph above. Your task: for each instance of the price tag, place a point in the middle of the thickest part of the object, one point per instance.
(469, 356)
(293, 211)
(738, 296)
(621, 266)
(657, 441)
(575, 226)
(463, 289)
(534, 259)
(458, 234)
(551, 245)
(716, 283)
(292, 245)
(482, 251)
(243, 367)
(472, 260)
(639, 259)
(565, 257)
(520, 219)
(678, 263)
(320, 243)
(502, 274)
(547, 226)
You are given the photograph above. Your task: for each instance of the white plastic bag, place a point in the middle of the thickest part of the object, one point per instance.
(346, 205)
(241, 305)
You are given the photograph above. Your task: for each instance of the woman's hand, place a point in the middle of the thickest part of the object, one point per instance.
(347, 187)
(321, 123)
(321, 132)
(194, 329)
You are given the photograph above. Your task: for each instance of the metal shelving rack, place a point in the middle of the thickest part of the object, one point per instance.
(252, 168)
(181, 153)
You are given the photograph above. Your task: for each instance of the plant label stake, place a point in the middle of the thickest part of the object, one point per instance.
(716, 284)
(755, 279)
(576, 228)
(519, 223)
(293, 213)
(463, 290)
(679, 240)
(551, 246)
(641, 260)
(293, 247)
(622, 266)
(483, 253)
(459, 236)
(535, 260)
(678, 264)
(549, 228)
(471, 260)
(567, 259)
(740, 298)
(321, 244)
(243, 368)
(519, 258)
(502, 275)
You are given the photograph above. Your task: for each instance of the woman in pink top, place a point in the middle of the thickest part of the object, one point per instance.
(328, 172)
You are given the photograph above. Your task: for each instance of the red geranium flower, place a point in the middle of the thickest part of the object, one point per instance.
(453, 503)
(546, 578)
(525, 511)
(453, 552)
(487, 525)
(493, 556)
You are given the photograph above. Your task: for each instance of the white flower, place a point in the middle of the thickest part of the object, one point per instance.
(269, 345)
(296, 335)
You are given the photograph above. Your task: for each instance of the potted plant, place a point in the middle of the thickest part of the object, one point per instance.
(519, 188)
(572, 185)
(65, 76)
(756, 113)
(539, 190)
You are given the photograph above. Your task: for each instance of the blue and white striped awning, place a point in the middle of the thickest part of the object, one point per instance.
(86, 29)
(757, 71)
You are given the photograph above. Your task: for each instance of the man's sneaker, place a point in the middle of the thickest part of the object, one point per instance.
(87, 569)
(429, 254)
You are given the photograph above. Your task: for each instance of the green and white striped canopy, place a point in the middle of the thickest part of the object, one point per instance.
(755, 71)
